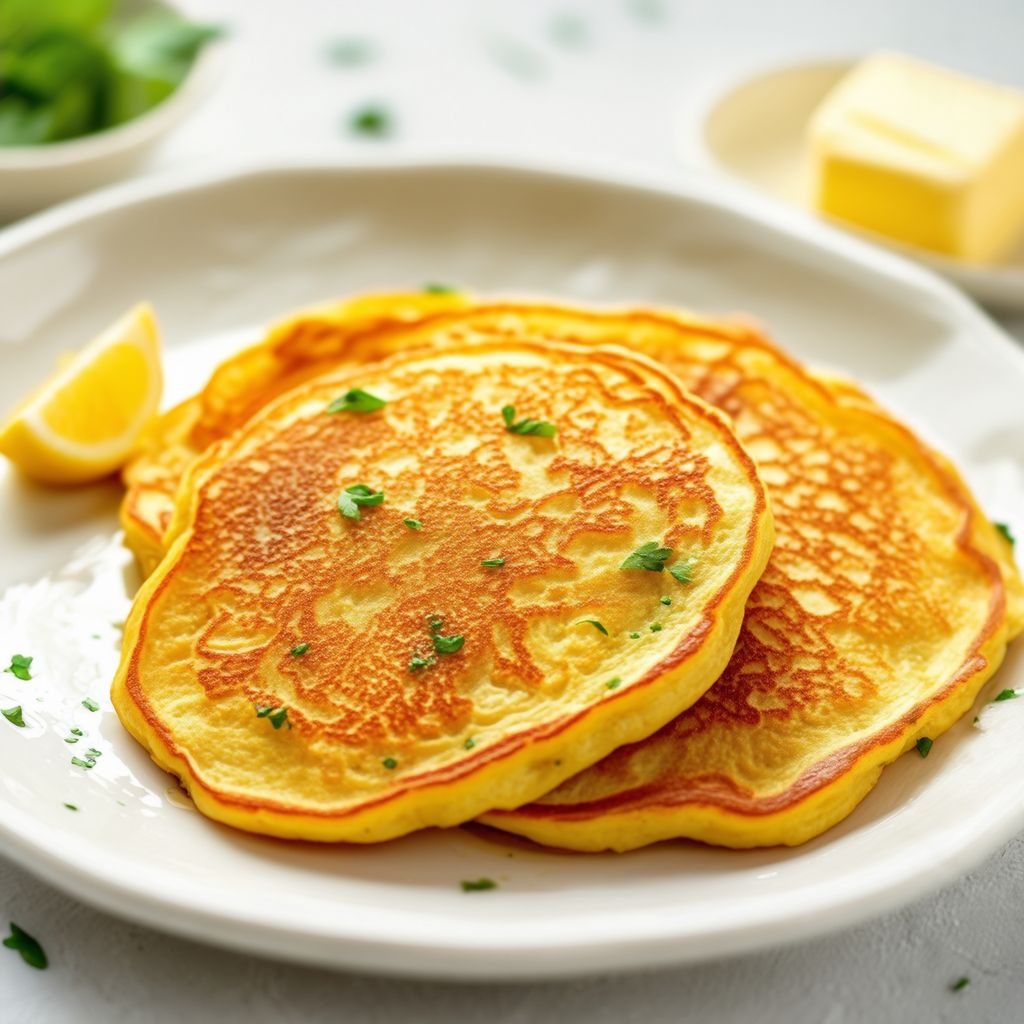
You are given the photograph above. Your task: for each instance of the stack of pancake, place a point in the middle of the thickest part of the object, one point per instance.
(597, 578)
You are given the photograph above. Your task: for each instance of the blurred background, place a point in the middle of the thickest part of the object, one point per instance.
(603, 85)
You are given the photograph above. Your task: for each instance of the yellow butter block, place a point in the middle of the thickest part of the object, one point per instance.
(922, 155)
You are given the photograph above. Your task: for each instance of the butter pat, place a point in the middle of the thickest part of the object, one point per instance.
(923, 156)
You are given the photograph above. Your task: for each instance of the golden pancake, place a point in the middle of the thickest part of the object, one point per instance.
(388, 618)
(880, 615)
(238, 387)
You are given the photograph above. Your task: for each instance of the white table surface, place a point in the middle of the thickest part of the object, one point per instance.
(497, 78)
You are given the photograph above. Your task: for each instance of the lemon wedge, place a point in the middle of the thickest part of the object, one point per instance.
(83, 422)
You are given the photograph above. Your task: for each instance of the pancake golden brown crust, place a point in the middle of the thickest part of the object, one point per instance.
(371, 746)
(292, 351)
(880, 615)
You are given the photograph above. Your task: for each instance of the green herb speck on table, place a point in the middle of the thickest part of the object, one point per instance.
(31, 952)
(20, 667)
(372, 121)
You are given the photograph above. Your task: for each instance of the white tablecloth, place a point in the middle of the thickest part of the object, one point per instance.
(609, 81)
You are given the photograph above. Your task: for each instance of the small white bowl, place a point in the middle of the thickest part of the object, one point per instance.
(33, 177)
(755, 132)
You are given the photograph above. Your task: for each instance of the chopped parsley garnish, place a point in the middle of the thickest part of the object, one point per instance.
(349, 53)
(436, 288)
(924, 745)
(277, 716)
(90, 705)
(666, 601)
(634, 636)
(479, 885)
(613, 684)
(493, 563)
(648, 556)
(535, 428)
(390, 763)
(93, 753)
(356, 400)
(371, 120)
(13, 715)
(960, 984)
(299, 650)
(71, 807)
(417, 662)
(90, 763)
(599, 626)
(435, 623)
(656, 627)
(448, 644)
(470, 743)
(1004, 529)
(413, 524)
(77, 732)
(355, 497)
(70, 739)
(19, 667)
(30, 950)
(683, 573)
(1007, 695)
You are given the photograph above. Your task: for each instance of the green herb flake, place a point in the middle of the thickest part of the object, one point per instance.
(493, 563)
(373, 121)
(77, 732)
(683, 572)
(436, 288)
(599, 626)
(960, 984)
(1002, 695)
(666, 601)
(470, 743)
(30, 950)
(418, 662)
(80, 763)
(448, 644)
(358, 496)
(390, 763)
(71, 807)
(613, 684)
(299, 650)
(435, 623)
(924, 746)
(277, 716)
(656, 627)
(648, 556)
(349, 53)
(13, 715)
(90, 705)
(478, 885)
(70, 739)
(634, 635)
(533, 428)
(1005, 531)
(19, 667)
(92, 753)
(413, 524)
(356, 400)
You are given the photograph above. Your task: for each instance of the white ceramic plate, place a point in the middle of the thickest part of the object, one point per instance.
(221, 255)
(755, 132)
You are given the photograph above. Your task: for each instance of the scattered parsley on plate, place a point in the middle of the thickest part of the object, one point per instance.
(390, 763)
(648, 556)
(924, 745)
(13, 715)
(349, 53)
(435, 288)
(276, 716)
(298, 650)
(372, 120)
(683, 572)
(599, 626)
(30, 950)
(90, 705)
(356, 400)
(478, 885)
(613, 684)
(1007, 695)
(355, 497)
(19, 667)
(493, 563)
(533, 428)
(448, 644)
(413, 524)
(1004, 529)
(960, 984)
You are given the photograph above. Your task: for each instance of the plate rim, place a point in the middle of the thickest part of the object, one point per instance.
(424, 949)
